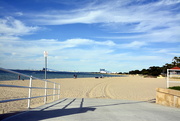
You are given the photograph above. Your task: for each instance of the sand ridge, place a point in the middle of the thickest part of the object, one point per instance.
(128, 88)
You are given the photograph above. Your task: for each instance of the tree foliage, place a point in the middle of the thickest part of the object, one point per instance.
(176, 61)
(156, 70)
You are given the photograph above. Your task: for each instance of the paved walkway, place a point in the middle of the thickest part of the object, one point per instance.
(99, 110)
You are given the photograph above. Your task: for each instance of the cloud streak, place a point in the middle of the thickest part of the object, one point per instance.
(14, 27)
(153, 18)
(147, 15)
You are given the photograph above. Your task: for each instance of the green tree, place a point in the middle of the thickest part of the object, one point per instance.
(135, 72)
(145, 71)
(155, 70)
(176, 61)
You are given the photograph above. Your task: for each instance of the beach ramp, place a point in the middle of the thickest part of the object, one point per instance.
(89, 109)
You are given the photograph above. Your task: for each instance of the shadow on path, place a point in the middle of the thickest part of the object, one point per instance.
(56, 110)
(40, 115)
(47, 113)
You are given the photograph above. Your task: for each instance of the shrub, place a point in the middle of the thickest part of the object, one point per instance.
(175, 87)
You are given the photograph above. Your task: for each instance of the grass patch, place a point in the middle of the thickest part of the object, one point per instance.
(175, 88)
(175, 77)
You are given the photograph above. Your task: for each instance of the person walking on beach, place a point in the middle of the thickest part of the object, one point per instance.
(75, 76)
(19, 77)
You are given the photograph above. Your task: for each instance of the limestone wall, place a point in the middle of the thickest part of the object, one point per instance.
(168, 97)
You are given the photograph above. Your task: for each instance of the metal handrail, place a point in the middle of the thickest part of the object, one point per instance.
(169, 76)
(10, 100)
(16, 86)
(30, 87)
(14, 72)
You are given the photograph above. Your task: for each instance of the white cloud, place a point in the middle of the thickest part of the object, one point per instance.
(134, 44)
(8, 38)
(63, 56)
(14, 27)
(167, 35)
(168, 51)
(28, 48)
(31, 52)
(152, 18)
(19, 13)
(168, 2)
(85, 42)
(113, 11)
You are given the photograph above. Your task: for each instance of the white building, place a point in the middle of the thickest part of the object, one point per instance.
(103, 71)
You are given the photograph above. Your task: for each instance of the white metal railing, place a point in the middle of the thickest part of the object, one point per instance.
(171, 75)
(30, 88)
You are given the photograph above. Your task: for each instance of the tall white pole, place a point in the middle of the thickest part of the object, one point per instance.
(54, 92)
(45, 76)
(59, 92)
(45, 93)
(29, 95)
(45, 56)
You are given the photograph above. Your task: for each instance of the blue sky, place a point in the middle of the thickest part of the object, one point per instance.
(86, 35)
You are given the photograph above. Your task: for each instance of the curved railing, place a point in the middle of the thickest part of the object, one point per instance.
(30, 88)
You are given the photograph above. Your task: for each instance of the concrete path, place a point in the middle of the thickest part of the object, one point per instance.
(99, 110)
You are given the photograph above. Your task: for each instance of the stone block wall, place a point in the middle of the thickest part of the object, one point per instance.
(168, 97)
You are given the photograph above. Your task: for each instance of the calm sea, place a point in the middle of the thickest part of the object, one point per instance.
(50, 75)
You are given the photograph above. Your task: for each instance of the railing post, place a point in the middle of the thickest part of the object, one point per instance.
(54, 91)
(168, 74)
(45, 95)
(59, 92)
(29, 95)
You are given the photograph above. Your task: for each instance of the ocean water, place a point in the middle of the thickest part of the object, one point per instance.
(50, 75)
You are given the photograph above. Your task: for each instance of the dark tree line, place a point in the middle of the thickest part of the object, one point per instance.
(156, 70)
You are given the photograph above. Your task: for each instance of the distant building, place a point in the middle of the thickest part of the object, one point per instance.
(103, 71)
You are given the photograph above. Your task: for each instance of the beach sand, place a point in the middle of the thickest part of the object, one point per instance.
(121, 88)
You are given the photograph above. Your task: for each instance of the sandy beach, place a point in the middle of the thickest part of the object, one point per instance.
(121, 88)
